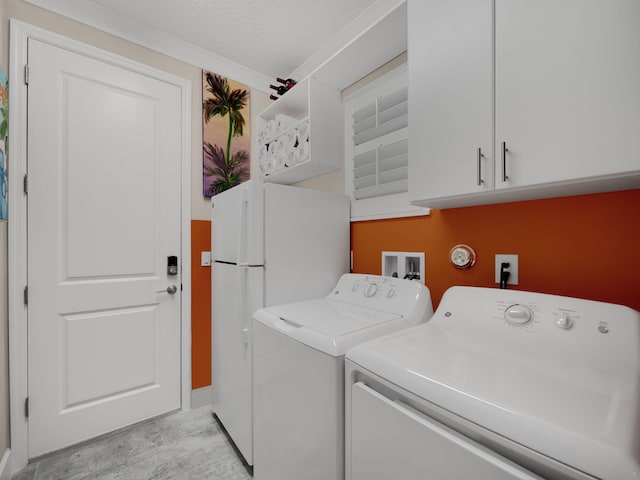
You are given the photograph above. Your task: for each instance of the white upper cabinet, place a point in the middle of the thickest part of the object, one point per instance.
(450, 97)
(520, 99)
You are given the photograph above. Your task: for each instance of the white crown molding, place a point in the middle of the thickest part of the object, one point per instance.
(107, 20)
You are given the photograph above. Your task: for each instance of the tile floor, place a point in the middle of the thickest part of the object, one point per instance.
(181, 446)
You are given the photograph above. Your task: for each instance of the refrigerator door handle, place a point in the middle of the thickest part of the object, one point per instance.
(245, 336)
(242, 307)
(242, 230)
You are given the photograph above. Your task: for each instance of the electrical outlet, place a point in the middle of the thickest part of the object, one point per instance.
(205, 259)
(512, 260)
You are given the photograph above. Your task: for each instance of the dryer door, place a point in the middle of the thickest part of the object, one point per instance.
(392, 440)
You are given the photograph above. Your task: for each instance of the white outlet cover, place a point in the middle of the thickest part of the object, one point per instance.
(205, 259)
(512, 260)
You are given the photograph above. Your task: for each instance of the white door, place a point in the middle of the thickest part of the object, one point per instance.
(104, 214)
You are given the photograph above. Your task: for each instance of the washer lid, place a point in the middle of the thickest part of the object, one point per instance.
(328, 325)
(572, 395)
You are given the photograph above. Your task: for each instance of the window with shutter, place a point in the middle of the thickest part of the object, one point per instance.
(376, 141)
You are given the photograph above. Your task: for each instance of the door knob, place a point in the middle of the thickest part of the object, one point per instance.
(171, 289)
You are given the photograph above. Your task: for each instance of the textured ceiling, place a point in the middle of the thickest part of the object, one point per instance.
(272, 37)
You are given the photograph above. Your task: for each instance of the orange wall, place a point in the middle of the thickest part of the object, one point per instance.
(200, 306)
(586, 246)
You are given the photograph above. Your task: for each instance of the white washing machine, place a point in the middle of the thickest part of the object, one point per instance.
(299, 370)
(499, 385)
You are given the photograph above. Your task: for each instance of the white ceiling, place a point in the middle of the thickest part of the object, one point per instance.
(271, 37)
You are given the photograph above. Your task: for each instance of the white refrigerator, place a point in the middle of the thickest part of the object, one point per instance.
(271, 244)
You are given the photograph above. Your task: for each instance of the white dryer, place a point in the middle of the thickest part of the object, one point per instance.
(298, 356)
(499, 385)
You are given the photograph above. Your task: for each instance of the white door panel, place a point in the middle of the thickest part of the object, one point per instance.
(91, 338)
(237, 293)
(104, 214)
(390, 440)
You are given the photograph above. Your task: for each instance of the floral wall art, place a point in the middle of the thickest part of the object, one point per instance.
(225, 133)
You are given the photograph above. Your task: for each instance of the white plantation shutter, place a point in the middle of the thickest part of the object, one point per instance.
(380, 146)
(381, 171)
(376, 148)
(384, 115)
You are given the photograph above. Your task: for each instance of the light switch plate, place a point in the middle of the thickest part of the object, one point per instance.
(512, 260)
(205, 259)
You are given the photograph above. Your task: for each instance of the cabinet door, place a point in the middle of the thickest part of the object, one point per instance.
(450, 98)
(567, 89)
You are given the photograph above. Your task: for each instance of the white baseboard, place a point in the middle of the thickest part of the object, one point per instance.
(200, 397)
(5, 465)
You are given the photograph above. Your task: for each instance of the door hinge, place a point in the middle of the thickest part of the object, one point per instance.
(26, 74)
(24, 184)
(26, 407)
(26, 295)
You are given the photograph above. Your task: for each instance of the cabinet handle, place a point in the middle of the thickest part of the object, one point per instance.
(505, 177)
(480, 155)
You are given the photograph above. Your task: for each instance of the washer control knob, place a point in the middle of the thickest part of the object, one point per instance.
(371, 290)
(564, 321)
(354, 287)
(518, 315)
(390, 293)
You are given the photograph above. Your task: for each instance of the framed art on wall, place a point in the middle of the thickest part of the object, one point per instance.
(3, 144)
(225, 133)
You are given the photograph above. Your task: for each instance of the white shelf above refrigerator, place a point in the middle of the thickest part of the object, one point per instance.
(318, 96)
(293, 110)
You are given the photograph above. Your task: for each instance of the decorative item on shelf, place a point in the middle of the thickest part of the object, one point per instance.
(281, 89)
(287, 84)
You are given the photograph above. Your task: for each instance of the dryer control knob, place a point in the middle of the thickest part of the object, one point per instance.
(390, 293)
(564, 321)
(518, 315)
(354, 287)
(371, 290)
